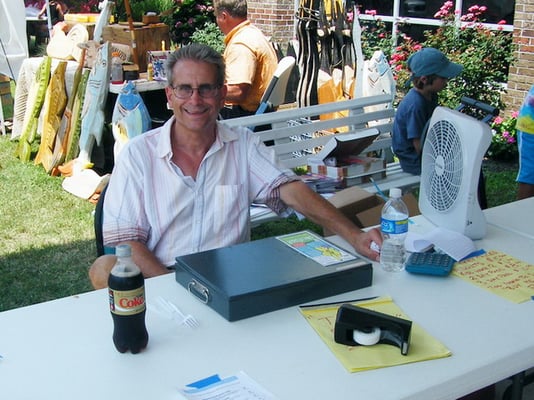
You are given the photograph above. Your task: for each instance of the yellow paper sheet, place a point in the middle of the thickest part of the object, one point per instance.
(499, 273)
(360, 358)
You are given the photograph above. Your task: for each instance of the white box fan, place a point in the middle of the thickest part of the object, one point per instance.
(451, 161)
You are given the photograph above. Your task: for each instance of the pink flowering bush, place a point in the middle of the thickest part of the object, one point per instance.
(504, 141)
(375, 34)
(189, 16)
(399, 60)
(484, 53)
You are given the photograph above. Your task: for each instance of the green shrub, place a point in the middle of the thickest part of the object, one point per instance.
(211, 35)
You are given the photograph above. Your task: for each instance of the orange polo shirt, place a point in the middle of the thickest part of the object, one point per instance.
(249, 58)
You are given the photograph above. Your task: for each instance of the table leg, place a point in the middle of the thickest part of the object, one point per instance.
(515, 390)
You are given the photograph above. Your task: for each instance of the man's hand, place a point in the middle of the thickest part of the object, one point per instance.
(362, 243)
(304, 200)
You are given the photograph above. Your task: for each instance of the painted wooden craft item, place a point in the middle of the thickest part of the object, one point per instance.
(66, 126)
(34, 103)
(94, 103)
(72, 148)
(130, 116)
(53, 108)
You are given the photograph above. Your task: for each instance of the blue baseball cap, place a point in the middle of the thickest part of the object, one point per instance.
(430, 61)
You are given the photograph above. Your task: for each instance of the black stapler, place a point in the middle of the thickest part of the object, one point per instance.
(360, 326)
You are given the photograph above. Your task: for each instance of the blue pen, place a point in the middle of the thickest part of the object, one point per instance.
(378, 190)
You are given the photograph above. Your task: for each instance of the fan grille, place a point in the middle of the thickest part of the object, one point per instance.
(443, 159)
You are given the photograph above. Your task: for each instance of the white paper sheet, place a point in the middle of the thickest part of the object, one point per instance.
(237, 387)
(455, 244)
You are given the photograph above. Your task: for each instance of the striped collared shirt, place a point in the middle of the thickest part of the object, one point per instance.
(151, 201)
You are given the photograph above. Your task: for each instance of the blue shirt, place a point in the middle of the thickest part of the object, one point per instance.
(413, 113)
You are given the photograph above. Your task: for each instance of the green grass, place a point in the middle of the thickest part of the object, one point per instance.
(47, 239)
(501, 187)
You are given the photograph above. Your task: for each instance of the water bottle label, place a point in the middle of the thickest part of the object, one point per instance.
(394, 227)
(128, 302)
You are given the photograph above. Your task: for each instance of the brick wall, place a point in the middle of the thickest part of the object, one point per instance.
(276, 18)
(521, 74)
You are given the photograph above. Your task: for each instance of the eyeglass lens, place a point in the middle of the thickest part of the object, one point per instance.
(186, 91)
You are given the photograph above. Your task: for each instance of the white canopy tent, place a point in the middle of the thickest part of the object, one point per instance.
(13, 42)
(13, 39)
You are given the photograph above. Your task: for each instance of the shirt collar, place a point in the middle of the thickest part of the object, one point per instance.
(225, 134)
(236, 29)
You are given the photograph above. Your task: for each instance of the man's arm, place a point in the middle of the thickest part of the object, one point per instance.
(146, 260)
(238, 93)
(141, 256)
(304, 200)
(417, 145)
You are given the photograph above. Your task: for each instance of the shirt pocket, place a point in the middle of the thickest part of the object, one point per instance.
(231, 208)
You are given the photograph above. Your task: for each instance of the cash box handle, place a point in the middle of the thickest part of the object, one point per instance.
(199, 290)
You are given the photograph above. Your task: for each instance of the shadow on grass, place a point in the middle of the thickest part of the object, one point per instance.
(35, 275)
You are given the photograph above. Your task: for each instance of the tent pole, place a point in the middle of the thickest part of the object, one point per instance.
(49, 19)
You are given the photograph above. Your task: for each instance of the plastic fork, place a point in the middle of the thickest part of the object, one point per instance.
(172, 311)
(186, 319)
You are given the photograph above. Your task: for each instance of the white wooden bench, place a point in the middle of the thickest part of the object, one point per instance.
(295, 132)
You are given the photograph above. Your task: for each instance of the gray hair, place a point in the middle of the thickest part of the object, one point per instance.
(196, 52)
(236, 8)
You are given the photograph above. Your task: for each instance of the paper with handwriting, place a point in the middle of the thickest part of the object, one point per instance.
(499, 273)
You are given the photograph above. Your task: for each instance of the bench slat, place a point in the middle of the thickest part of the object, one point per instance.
(297, 132)
(310, 111)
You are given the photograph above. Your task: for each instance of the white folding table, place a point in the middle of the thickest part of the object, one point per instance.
(63, 349)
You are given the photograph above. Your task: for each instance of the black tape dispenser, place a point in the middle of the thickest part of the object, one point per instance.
(360, 326)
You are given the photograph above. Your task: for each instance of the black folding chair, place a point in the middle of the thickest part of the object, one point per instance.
(97, 222)
(485, 113)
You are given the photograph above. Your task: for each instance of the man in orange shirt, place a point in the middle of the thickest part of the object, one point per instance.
(250, 59)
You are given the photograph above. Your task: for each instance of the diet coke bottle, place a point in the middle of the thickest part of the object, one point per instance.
(127, 302)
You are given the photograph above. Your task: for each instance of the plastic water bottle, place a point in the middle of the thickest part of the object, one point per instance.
(394, 225)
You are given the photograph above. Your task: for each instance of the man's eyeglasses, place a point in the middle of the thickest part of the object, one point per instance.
(186, 91)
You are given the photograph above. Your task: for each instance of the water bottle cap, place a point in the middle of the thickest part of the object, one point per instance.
(395, 193)
(123, 250)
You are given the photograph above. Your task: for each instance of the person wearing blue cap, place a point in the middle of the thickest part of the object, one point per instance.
(431, 70)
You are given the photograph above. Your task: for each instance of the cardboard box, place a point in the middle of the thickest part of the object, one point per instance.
(352, 201)
(371, 216)
(341, 157)
(147, 38)
(365, 208)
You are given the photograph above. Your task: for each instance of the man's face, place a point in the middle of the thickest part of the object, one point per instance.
(201, 108)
